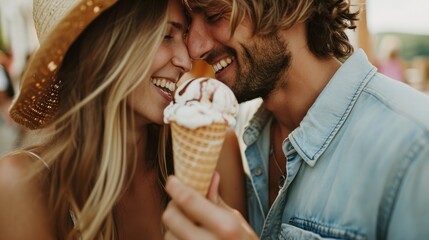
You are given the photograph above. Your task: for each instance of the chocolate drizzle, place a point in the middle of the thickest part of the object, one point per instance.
(183, 90)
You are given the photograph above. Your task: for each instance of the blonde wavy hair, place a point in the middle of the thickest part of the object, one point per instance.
(326, 20)
(89, 147)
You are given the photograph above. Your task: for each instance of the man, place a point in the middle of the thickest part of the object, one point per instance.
(347, 147)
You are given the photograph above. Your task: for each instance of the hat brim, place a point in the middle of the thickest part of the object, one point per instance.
(37, 102)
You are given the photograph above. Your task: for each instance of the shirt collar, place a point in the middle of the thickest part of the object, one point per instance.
(326, 115)
(256, 125)
(332, 107)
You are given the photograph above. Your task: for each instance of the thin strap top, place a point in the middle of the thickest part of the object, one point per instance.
(72, 215)
(38, 157)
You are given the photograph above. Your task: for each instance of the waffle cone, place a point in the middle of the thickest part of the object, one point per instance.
(196, 152)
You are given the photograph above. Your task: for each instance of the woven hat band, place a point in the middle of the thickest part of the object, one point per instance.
(38, 99)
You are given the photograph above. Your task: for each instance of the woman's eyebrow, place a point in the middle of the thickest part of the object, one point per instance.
(178, 25)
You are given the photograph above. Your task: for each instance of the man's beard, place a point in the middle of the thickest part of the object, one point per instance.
(262, 65)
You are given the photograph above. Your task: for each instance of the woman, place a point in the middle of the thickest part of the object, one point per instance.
(96, 90)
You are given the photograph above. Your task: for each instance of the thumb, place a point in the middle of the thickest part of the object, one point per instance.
(213, 192)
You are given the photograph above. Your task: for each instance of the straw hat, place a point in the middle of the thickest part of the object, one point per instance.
(58, 24)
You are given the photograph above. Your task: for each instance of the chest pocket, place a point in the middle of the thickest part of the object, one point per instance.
(306, 229)
(289, 232)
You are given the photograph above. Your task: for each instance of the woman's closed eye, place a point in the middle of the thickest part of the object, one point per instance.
(176, 31)
(168, 37)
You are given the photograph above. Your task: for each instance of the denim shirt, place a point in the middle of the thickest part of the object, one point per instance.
(358, 164)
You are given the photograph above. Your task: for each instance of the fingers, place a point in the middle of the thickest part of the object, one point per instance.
(193, 204)
(191, 216)
(170, 236)
(199, 209)
(179, 226)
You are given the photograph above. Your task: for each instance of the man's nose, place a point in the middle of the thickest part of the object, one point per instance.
(200, 41)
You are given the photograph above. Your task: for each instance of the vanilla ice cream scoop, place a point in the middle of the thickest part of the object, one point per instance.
(201, 102)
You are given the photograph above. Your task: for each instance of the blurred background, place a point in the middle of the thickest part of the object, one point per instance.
(394, 34)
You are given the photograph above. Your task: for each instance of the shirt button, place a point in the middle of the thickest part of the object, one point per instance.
(248, 137)
(258, 171)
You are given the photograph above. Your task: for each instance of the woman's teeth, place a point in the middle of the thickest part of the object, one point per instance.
(222, 64)
(164, 84)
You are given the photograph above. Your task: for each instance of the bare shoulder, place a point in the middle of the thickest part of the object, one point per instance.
(15, 184)
(13, 169)
(22, 200)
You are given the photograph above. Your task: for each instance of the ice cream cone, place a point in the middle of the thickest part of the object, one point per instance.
(196, 152)
(199, 115)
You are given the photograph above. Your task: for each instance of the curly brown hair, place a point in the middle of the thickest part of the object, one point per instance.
(326, 20)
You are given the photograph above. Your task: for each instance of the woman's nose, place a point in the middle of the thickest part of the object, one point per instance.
(182, 58)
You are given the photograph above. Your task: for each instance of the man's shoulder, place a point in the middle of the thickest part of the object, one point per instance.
(401, 99)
